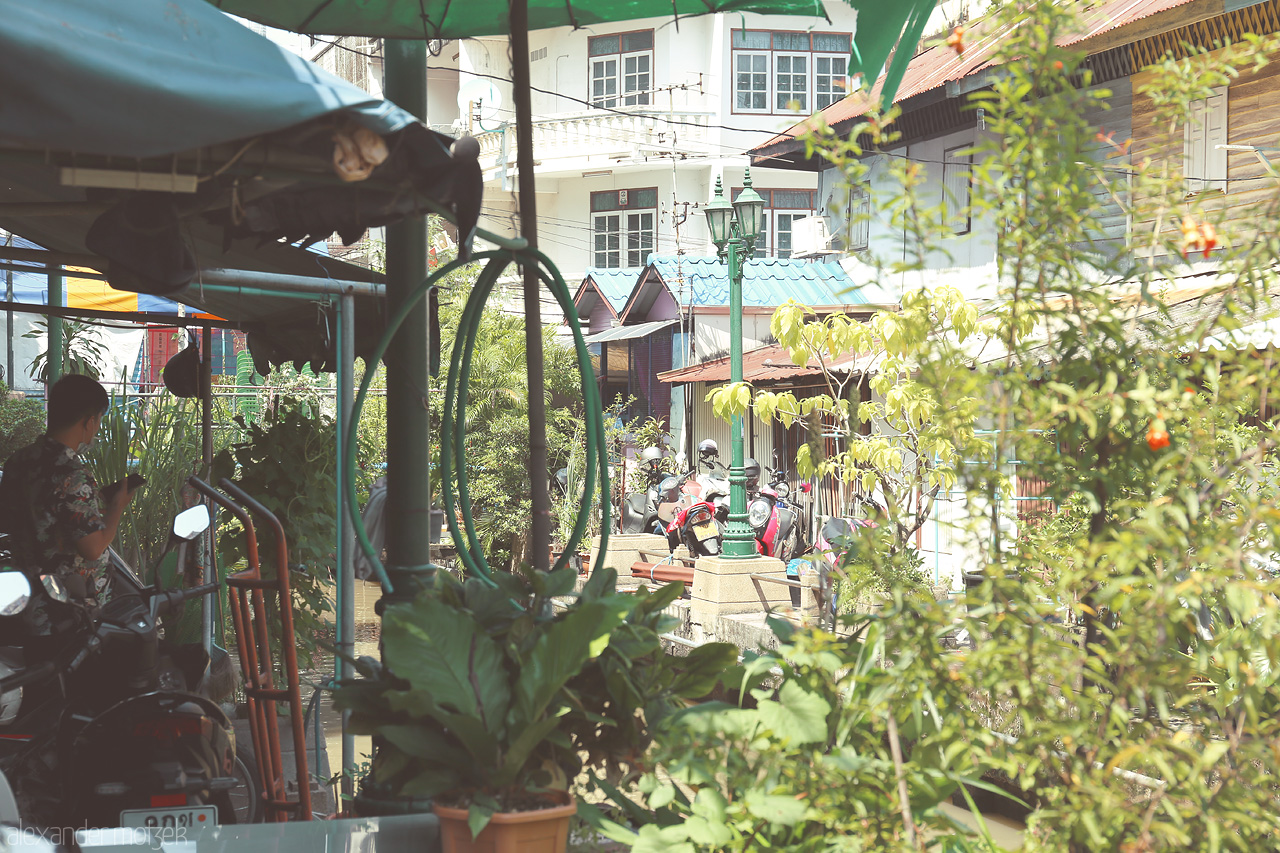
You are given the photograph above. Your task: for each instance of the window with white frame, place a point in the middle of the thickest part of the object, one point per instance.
(956, 163)
(621, 70)
(781, 210)
(624, 227)
(859, 217)
(788, 72)
(1204, 163)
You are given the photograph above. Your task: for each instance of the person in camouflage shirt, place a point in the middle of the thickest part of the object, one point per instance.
(49, 501)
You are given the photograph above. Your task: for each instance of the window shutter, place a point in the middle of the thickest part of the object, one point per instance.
(955, 182)
(1204, 164)
(1215, 131)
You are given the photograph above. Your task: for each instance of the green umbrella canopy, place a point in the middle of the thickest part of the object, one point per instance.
(880, 23)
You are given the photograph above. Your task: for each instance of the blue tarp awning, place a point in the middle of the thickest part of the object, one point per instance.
(95, 96)
(151, 77)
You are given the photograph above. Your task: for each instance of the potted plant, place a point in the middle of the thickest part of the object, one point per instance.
(490, 699)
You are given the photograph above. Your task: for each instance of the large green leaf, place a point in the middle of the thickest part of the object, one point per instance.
(559, 653)
(703, 667)
(520, 749)
(775, 808)
(444, 656)
(797, 716)
(423, 742)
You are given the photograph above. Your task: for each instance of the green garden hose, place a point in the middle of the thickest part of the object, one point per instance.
(453, 434)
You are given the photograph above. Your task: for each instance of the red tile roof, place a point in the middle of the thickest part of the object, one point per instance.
(938, 64)
(769, 363)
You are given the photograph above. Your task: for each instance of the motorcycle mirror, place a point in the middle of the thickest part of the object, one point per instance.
(54, 587)
(190, 523)
(15, 592)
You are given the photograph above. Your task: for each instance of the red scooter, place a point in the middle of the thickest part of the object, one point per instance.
(776, 523)
(698, 520)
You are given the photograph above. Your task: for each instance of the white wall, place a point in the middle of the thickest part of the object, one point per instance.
(757, 438)
(967, 262)
(711, 333)
(692, 61)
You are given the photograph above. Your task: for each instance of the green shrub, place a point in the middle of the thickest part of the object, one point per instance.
(21, 422)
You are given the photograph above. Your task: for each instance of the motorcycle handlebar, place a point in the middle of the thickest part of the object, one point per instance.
(173, 598)
(28, 676)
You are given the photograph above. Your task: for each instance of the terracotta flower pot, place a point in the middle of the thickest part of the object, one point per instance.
(542, 831)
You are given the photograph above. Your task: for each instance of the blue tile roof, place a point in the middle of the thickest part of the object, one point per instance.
(766, 281)
(616, 285)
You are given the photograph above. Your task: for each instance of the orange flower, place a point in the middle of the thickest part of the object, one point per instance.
(955, 41)
(1109, 138)
(1057, 65)
(1208, 237)
(1157, 436)
(1197, 236)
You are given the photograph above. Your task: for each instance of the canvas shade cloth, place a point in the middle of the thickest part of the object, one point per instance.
(175, 86)
(154, 77)
(880, 24)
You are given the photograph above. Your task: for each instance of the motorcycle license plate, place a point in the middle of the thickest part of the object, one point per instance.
(182, 817)
(706, 530)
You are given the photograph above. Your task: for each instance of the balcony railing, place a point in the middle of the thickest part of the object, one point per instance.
(649, 132)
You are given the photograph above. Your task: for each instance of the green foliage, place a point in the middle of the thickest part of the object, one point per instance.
(288, 463)
(159, 438)
(486, 698)
(821, 760)
(21, 422)
(497, 420)
(1125, 660)
(871, 569)
(82, 352)
(247, 406)
(649, 432)
(900, 446)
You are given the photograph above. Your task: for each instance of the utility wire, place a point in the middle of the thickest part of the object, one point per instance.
(668, 120)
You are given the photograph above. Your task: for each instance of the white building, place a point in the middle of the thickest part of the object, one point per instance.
(633, 123)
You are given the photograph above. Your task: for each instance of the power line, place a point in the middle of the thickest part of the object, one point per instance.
(577, 100)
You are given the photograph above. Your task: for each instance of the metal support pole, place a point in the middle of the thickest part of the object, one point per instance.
(739, 538)
(539, 488)
(408, 447)
(206, 444)
(346, 580)
(55, 324)
(8, 297)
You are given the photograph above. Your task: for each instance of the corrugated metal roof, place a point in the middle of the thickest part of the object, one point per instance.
(766, 281)
(626, 333)
(766, 364)
(614, 285)
(938, 64)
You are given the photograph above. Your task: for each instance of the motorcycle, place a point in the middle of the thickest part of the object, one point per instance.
(698, 519)
(835, 537)
(640, 509)
(99, 722)
(774, 521)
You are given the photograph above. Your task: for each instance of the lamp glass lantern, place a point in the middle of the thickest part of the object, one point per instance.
(719, 217)
(749, 209)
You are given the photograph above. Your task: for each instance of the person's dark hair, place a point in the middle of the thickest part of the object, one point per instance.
(73, 398)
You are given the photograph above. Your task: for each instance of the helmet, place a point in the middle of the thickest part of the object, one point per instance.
(751, 468)
(650, 456)
(708, 447)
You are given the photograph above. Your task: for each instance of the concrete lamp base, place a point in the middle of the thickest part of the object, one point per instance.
(624, 550)
(724, 585)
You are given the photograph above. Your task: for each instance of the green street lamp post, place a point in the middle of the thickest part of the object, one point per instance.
(735, 229)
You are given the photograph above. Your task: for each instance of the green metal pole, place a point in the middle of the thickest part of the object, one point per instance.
(409, 566)
(739, 538)
(346, 581)
(55, 324)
